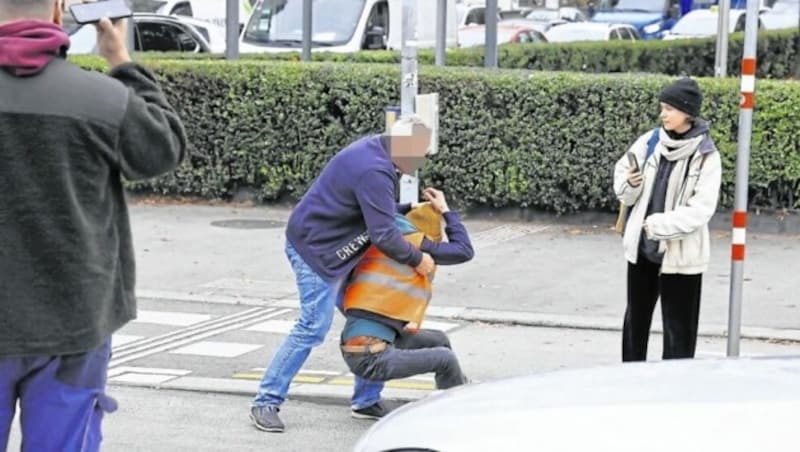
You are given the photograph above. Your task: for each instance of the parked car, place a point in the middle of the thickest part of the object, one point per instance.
(473, 15)
(209, 10)
(543, 19)
(783, 14)
(650, 18)
(731, 405)
(159, 33)
(343, 26)
(475, 35)
(540, 26)
(590, 31)
(565, 13)
(702, 23)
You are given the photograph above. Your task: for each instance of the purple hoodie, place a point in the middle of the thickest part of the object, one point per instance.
(349, 206)
(27, 46)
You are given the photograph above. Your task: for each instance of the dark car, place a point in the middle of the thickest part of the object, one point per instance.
(152, 32)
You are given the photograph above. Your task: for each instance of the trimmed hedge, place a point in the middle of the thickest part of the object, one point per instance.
(778, 56)
(508, 138)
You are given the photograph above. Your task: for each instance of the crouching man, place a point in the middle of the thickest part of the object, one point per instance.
(385, 303)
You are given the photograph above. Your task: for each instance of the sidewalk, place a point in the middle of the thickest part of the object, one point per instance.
(528, 272)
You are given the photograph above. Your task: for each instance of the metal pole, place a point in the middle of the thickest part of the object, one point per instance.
(747, 103)
(232, 29)
(409, 185)
(441, 31)
(307, 30)
(130, 38)
(490, 57)
(723, 31)
(408, 58)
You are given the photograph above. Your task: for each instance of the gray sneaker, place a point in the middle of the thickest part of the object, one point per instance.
(375, 411)
(266, 419)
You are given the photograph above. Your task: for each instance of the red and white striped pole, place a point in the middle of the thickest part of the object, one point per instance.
(746, 105)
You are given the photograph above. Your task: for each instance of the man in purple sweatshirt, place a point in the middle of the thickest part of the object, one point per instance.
(350, 206)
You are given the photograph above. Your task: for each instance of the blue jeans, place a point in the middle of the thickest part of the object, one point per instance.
(62, 400)
(318, 298)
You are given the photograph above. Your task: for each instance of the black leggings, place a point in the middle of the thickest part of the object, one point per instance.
(680, 309)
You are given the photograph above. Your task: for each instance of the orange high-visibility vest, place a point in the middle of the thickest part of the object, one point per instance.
(384, 286)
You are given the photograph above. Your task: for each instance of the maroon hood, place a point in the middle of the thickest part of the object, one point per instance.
(27, 46)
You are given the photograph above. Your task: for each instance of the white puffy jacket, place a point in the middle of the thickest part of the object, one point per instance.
(682, 230)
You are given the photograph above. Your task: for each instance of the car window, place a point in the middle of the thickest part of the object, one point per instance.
(625, 34)
(614, 35)
(182, 9)
(477, 16)
(524, 37)
(379, 17)
(163, 37)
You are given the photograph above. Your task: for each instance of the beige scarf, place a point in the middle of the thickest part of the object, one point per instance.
(681, 153)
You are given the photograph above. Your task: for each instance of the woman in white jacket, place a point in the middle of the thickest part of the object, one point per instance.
(670, 203)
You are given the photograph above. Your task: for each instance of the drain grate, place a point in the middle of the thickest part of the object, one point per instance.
(248, 224)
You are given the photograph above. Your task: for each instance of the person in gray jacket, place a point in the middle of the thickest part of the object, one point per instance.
(67, 139)
(666, 238)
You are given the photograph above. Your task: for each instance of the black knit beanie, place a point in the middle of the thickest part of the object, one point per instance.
(685, 95)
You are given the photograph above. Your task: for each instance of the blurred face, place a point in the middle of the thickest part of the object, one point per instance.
(409, 151)
(674, 119)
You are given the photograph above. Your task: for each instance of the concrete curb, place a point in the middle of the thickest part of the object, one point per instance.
(494, 317)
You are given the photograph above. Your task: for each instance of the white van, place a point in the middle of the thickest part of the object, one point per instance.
(342, 26)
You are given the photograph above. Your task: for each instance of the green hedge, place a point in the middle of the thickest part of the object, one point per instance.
(778, 56)
(508, 138)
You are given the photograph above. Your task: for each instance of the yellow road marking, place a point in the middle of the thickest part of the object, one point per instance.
(297, 379)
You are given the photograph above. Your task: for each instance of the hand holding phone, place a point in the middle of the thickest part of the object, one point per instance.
(112, 41)
(634, 172)
(633, 163)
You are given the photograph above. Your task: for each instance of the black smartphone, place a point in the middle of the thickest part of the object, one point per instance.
(91, 13)
(632, 160)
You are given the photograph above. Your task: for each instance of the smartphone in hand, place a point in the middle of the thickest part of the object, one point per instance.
(632, 161)
(91, 13)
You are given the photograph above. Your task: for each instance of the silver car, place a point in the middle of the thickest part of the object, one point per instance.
(732, 405)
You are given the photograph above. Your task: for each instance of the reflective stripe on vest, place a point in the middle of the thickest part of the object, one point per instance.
(381, 285)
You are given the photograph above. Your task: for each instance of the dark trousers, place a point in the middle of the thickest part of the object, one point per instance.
(411, 354)
(680, 310)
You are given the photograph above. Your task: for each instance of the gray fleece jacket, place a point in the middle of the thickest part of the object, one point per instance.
(67, 138)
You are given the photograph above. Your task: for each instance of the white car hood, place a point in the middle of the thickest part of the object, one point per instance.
(731, 405)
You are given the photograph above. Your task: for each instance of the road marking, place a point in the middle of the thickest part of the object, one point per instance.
(217, 349)
(195, 333)
(142, 379)
(273, 326)
(170, 318)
